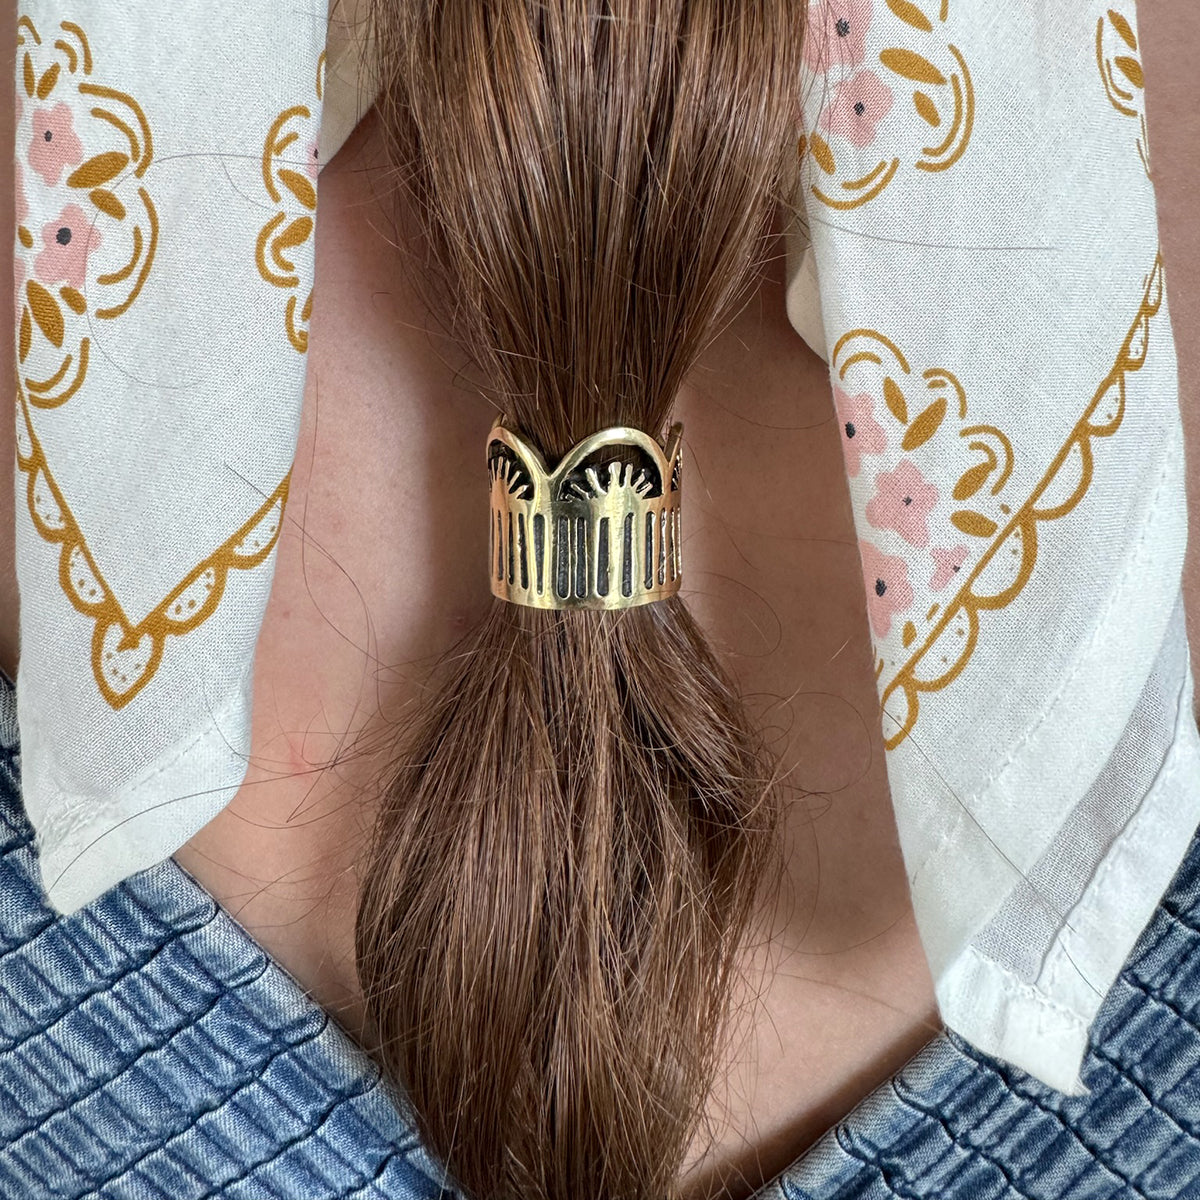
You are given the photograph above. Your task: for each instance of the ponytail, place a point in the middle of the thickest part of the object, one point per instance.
(566, 863)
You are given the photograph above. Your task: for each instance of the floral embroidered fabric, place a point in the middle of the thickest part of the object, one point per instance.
(1004, 383)
(1003, 378)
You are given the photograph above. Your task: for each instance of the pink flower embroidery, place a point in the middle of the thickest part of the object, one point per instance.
(889, 593)
(861, 433)
(313, 162)
(903, 501)
(836, 33)
(948, 563)
(68, 240)
(55, 144)
(858, 105)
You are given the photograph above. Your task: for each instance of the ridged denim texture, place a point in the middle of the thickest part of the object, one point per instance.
(151, 1050)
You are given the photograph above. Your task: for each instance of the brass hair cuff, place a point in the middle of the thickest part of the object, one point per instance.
(599, 531)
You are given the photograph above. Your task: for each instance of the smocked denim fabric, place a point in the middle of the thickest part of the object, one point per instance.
(151, 1050)
(958, 1125)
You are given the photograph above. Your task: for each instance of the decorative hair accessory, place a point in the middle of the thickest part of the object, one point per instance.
(599, 531)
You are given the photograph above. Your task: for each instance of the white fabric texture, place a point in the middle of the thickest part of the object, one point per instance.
(165, 192)
(974, 185)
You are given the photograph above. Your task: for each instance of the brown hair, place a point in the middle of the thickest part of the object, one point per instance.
(568, 855)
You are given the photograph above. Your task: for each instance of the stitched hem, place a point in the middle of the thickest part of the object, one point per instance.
(1043, 1028)
(105, 849)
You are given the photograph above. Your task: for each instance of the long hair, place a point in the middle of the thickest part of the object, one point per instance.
(567, 858)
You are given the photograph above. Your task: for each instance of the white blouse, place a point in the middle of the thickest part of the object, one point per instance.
(976, 256)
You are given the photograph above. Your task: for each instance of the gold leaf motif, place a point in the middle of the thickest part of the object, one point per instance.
(911, 14)
(1123, 27)
(58, 310)
(300, 187)
(925, 425)
(98, 169)
(73, 299)
(107, 202)
(296, 234)
(971, 481)
(285, 231)
(911, 65)
(974, 523)
(46, 312)
(895, 400)
(926, 108)
(46, 83)
(964, 619)
(822, 153)
(909, 635)
(1132, 70)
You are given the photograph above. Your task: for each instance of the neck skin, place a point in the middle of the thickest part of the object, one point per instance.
(368, 589)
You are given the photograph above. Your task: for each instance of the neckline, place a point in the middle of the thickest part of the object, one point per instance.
(932, 1055)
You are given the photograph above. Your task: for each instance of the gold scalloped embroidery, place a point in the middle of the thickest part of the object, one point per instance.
(284, 233)
(1006, 565)
(930, 407)
(125, 657)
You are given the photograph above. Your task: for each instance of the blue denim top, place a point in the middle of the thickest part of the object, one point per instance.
(150, 1049)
